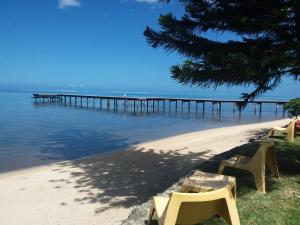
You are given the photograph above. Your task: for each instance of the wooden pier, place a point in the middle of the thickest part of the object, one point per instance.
(152, 104)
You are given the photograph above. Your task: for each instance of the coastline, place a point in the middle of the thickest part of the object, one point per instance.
(103, 189)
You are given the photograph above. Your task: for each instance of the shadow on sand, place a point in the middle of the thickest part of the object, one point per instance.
(129, 177)
(288, 159)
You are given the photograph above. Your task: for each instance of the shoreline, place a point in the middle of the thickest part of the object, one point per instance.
(148, 143)
(103, 189)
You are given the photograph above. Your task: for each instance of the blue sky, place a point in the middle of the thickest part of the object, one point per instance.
(85, 44)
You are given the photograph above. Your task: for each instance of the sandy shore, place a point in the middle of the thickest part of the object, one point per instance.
(103, 189)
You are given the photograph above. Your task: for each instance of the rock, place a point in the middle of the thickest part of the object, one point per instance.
(139, 214)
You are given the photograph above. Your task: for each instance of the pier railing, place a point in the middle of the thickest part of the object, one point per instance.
(145, 104)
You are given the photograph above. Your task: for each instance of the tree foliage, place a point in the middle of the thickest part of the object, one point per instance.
(267, 47)
(293, 107)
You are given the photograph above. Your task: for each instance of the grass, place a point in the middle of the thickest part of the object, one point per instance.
(281, 204)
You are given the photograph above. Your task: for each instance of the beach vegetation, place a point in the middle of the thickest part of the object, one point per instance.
(293, 107)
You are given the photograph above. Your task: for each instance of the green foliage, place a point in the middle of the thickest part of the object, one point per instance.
(266, 49)
(293, 107)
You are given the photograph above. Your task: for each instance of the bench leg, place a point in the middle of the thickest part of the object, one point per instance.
(221, 167)
(259, 178)
(151, 213)
(271, 162)
(230, 214)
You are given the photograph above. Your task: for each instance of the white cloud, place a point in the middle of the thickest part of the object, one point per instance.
(68, 3)
(80, 85)
(148, 1)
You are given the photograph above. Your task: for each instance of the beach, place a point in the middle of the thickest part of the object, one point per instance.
(103, 189)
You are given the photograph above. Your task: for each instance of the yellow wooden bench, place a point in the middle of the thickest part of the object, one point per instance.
(265, 155)
(289, 130)
(194, 208)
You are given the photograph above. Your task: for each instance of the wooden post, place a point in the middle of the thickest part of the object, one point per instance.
(134, 104)
(147, 104)
(153, 105)
(260, 109)
(107, 103)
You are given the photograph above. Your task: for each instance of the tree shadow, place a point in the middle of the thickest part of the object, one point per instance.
(128, 178)
(288, 156)
(288, 160)
(256, 134)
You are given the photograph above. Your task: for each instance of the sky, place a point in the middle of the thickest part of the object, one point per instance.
(86, 44)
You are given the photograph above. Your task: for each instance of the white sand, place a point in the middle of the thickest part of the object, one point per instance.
(103, 189)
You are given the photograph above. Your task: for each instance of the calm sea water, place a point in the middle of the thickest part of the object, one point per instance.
(36, 134)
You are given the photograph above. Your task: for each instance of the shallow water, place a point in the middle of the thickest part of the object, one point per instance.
(36, 134)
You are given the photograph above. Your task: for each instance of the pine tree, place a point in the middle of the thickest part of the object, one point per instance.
(266, 50)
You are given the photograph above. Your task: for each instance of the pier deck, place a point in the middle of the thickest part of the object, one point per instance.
(149, 103)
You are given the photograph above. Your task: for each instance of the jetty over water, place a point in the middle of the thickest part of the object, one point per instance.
(148, 104)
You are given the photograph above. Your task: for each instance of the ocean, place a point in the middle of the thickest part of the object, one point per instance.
(37, 134)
